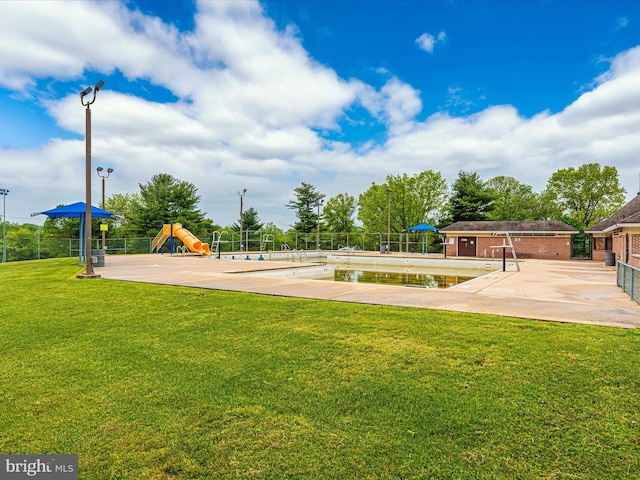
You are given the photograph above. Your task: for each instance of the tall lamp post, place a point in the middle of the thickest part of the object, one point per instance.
(4, 192)
(103, 177)
(320, 202)
(388, 220)
(87, 220)
(244, 191)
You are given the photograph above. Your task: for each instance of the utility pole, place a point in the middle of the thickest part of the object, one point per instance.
(244, 191)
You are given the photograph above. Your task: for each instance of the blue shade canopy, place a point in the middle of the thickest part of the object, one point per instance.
(422, 227)
(76, 210)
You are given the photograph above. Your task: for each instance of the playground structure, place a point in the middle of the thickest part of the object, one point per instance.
(170, 231)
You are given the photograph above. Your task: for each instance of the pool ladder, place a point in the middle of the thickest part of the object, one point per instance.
(216, 241)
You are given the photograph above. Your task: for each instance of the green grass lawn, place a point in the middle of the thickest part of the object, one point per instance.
(156, 382)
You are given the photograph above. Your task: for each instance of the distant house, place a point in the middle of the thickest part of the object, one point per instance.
(619, 235)
(548, 239)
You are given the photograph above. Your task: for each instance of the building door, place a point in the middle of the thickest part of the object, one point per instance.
(626, 249)
(466, 246)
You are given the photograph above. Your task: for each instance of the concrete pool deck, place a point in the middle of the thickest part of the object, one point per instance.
(551, 290)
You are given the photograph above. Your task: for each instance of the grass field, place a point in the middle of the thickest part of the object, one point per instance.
(156, 382)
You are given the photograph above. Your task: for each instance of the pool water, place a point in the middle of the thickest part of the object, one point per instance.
(410, 279)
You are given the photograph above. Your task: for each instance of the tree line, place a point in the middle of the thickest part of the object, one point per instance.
(579, 196)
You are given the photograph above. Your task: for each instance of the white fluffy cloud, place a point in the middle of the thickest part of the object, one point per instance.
(251, 108)
(427, 42)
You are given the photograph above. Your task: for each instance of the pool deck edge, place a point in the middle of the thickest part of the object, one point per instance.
(549, 290)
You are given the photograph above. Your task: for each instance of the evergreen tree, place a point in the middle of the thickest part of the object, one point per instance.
(250, 221)
(166, 199)
(471, 199)
(306, 206)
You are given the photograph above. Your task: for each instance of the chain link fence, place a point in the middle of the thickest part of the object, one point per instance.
(38, 247)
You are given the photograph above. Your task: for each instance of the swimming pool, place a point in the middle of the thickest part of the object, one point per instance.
(411, 271)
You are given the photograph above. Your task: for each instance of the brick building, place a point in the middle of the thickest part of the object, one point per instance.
(619, 235)
(547, 239)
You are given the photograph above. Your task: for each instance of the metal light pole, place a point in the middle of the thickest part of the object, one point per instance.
(87, 220)
(244, 191)
(388, 220)
(103, 177)
(4, 192)
(320, 202)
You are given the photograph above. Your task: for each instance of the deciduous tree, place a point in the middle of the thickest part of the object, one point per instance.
(589, 193)
(414, 199)
(513, 200)
(122, 204)
(339, 213)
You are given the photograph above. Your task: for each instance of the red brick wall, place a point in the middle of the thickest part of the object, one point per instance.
(620, 248)
(451, 249)
(557, 248)
(599, 250)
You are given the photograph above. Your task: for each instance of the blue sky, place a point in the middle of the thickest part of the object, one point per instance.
(265, 95)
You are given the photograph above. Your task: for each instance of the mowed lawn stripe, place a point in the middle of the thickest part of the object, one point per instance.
(149, 381)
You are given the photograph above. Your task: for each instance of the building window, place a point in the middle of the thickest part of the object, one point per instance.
(602, 243)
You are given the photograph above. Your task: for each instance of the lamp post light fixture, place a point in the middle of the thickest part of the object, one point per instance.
(101, 175)
(319, 204)
(388, 220)
(244, 191)
(4, 192)
(87, 220)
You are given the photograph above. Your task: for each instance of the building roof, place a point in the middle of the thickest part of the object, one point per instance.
(628, 214)
(535, 226)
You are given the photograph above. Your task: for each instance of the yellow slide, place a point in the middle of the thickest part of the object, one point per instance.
(185, 236)
(190, 240)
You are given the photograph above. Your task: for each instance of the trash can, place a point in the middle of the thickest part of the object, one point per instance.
(98, 257)
(610, 259)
